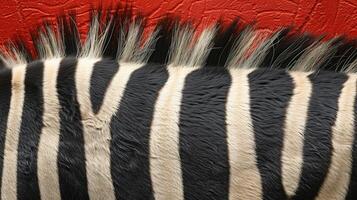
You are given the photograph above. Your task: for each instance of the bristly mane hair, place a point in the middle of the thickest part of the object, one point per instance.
(118, 34)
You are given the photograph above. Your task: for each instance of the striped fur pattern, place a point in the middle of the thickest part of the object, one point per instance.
(225, 114)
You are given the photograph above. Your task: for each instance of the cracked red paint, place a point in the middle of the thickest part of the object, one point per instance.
(330, 17)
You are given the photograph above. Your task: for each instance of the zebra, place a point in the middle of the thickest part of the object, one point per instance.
(227, 113)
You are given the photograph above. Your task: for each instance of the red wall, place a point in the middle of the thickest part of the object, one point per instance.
(333, 17)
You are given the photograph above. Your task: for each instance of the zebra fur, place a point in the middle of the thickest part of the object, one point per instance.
(121, 36)
(229, 113)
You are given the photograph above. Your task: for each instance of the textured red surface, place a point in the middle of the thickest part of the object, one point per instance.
(330, 17)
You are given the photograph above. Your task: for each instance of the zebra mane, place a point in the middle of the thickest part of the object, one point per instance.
(117, 33)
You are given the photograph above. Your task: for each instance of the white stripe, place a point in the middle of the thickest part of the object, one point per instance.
(292, 154)
(96, 128)
(336, 183)
(9, 176)
(245, 182)
(165, 165)
(49, 138)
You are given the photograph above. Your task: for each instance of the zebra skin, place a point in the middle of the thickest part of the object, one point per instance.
(225, 114)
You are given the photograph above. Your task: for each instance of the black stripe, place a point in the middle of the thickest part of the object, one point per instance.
(5, 96)
(130, 132)
(2, 64)
(224, 40)
(71, 155)
(29, 135)
(317, 150)
(352, 188)
(103, 72)
(270, 93)
(203, 145)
